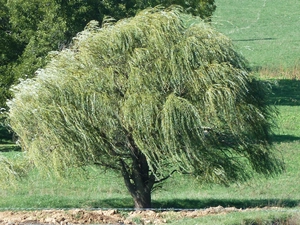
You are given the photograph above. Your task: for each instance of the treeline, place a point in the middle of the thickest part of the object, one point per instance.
(29, 30)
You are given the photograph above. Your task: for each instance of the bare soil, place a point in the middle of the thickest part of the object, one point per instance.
(79, 216)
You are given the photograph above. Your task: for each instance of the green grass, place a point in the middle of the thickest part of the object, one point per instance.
(267, 33)
(244, 218)
(100, 189)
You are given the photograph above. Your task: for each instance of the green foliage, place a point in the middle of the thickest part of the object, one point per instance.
(202, 8)
(7, 41)
(178, 94)
(30, 29)
(10, 48)
(41, 27)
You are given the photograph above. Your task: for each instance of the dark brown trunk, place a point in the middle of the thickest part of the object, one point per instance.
(138, 178)
(142, 199)
(139, 183)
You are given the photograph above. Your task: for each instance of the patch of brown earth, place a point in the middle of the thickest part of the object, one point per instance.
(61, 217)
(79, 216)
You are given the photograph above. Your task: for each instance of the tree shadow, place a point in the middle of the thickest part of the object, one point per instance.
(286, 92)
(6, 140)
(284, 138)
(206, 203)
(179, 204)
(124, 203)
(255, 39)
(9, 148)
(6, 135)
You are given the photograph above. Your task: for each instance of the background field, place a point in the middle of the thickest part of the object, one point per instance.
(267, 33)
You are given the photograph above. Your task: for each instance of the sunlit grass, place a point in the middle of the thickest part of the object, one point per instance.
(99, 189)
(245, 218)
(265, 32)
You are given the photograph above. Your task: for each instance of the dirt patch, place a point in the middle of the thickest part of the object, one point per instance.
(79, 216)
(61, 217)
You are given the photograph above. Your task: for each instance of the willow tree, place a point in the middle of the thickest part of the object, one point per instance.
(147, 96)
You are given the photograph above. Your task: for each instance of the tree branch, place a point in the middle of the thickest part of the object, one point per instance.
(126, 176)
(165, 178)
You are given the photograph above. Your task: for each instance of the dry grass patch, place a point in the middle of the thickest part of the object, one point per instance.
(292, 73)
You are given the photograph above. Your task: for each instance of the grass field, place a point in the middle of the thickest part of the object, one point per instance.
(267, 33)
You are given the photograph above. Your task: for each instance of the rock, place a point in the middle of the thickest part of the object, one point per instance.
(109, 212)
(50, 220)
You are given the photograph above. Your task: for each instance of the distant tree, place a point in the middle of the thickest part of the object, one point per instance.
(202, 8)
(120, 9)
(10, 49)
(147, 96)
(40, 26)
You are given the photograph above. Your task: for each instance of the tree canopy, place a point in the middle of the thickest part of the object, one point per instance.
(30, 29)
(146, 96)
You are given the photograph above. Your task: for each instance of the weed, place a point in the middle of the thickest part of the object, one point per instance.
(137, 220)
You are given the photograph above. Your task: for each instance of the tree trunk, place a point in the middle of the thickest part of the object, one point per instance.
(138, 178)
(139, 182)
(142, 199)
